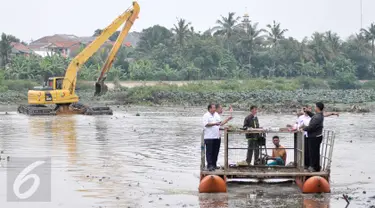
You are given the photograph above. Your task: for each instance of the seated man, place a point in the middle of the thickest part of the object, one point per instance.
(278, 153)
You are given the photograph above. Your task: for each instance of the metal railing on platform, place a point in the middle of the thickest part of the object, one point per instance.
(293, 142)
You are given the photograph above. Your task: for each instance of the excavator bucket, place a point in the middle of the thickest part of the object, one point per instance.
(100, 88)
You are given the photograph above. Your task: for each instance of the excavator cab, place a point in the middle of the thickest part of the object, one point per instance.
(53, 83)
(56, 83)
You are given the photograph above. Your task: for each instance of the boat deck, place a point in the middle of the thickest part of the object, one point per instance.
(263, 172)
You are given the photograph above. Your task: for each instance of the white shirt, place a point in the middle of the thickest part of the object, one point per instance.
(303, 120)
(211, 132)
(217, 116)
(218, 119)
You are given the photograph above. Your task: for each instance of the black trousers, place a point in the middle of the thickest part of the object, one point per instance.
(252, 147)
(306, 154)
(314, 152)
(212, 151)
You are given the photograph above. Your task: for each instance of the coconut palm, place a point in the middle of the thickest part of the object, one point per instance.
(250, 39)
(319, 48)
(370, 36)
(182, 31)
(334, 43)
(275, 33)
(226, 26)
(359, 44)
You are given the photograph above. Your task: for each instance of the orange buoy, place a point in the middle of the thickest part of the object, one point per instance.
(316, 184)
(212, 184)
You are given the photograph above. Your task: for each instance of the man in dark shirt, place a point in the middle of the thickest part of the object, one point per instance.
(315, 135)
(307, 112)
(251, 121)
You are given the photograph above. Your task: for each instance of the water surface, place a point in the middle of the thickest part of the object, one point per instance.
(153, 160)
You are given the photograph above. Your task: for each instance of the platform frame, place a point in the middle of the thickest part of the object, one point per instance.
(260, 172)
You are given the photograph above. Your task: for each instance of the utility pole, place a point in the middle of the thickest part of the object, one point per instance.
(361, 14)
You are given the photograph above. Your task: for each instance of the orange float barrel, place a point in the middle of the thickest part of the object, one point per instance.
(212, 184)
(316, 184)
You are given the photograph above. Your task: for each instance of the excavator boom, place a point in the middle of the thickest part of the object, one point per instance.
(100, 87)
(71, 73)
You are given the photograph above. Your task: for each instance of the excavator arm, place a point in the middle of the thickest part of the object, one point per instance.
(128, 16)
(100, 87)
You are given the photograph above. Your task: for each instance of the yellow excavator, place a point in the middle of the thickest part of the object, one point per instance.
(60, 91)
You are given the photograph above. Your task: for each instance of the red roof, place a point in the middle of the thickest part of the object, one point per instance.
(20, 47)
(64, 44)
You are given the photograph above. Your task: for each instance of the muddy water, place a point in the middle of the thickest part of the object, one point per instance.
(152, 160)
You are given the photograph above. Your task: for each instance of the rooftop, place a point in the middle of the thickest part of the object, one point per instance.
(20, 47)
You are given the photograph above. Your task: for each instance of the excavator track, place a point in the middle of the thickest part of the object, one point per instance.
(87, 110)
(33, 110)
(75, 108)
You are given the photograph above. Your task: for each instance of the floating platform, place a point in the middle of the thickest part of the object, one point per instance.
(309, 182)
(264, 172)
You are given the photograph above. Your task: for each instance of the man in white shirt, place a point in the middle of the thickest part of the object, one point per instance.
(211, 128)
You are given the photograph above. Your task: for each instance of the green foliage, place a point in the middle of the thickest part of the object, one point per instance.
(5, 48)
(233, 49)
(20, 85)
(203, 92)
(369, 85)
(345, 80)
(82, 85)
(312, 83)
(2, 87)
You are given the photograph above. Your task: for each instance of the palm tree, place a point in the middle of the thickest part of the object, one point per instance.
(370, 36)
(319, 48)
(226, 26)
(250, 38)
(275, 33)
(302, 49)
(334, 43)
(181, 30)
(358, 43)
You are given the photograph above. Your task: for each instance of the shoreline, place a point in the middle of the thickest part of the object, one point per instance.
(285, 108)
(272, 100)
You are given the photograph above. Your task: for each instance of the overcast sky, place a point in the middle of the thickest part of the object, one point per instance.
(32, 19)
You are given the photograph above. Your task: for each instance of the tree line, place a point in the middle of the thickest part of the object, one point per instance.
(233, 49)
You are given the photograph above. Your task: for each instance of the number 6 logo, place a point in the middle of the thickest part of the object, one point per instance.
(23, 177)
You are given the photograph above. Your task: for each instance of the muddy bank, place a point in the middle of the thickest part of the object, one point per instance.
(272, 101)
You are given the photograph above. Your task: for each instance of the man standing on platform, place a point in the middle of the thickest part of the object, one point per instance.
(315, 135)
(219, 111)
(211, 126)
(303, 121)
(251, 121)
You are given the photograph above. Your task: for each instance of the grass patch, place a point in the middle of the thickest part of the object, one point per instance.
(20, 85)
